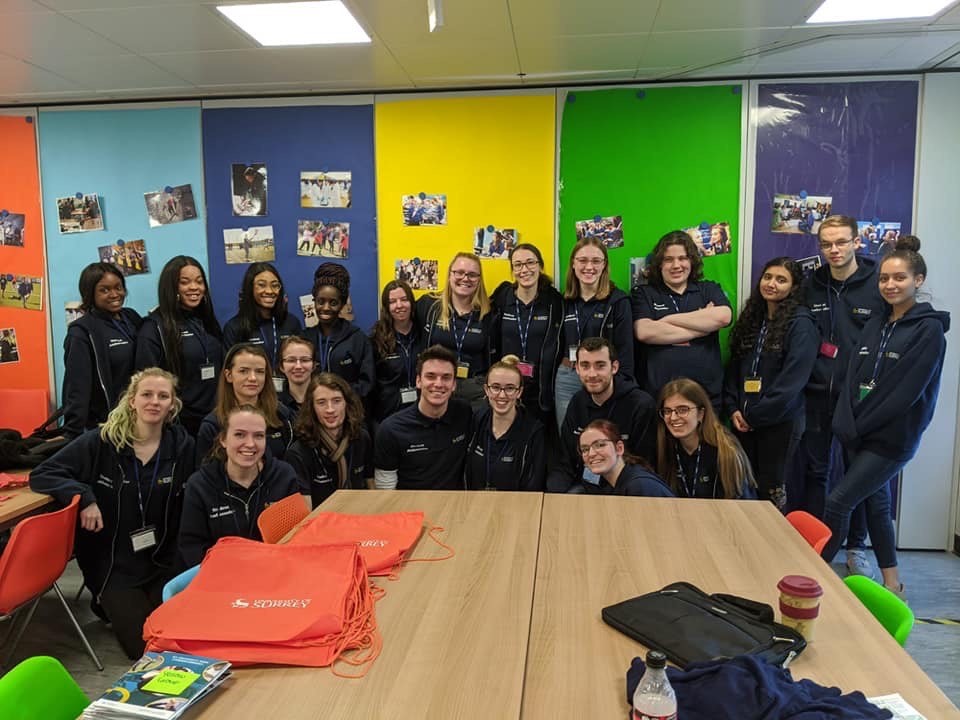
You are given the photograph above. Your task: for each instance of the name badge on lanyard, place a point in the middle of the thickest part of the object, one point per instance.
(408, 395)
(278, 384)
(463, 370)
(752, 384)
(144, 538)
(208, 371)
(526, 369)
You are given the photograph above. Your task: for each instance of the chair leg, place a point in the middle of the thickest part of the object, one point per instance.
(76, 626)
(76, 599)
(19, 632)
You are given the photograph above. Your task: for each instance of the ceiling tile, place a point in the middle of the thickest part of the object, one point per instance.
(576, 17)
(951, 17)
(164, 28)
(20, 78)
(703, 47)
(38, 36)
(70, 5)
(594, 53)
(719, 14)
(11, 7)
(467, 25)
(455, 55)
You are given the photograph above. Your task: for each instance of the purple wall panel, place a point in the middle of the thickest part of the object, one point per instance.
(855, 142)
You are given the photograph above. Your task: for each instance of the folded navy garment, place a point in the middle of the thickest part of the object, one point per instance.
(746, 688)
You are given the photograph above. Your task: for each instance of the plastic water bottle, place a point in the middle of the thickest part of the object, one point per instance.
(654, 699)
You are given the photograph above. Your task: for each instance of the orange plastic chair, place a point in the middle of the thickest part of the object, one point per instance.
(35, 557)
(281, 517)
(814, 532)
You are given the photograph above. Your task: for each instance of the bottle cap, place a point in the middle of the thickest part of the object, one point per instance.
(656, 660)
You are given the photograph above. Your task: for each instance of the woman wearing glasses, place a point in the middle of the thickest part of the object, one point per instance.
(296, 364)
(460, 318)
(529, 315)
(507, 450)
(592, 307)
(696, 455)
(621, 473)
(773, 348)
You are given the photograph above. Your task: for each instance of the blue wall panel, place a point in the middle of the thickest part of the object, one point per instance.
(290, 140)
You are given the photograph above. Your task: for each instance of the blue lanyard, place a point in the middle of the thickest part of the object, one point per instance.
(459, 339)
(885, 334)
(408, 363)
(673, 299)
(153, 482)
(123, 327)
(758, 348)
(691, 492)
(325, 346)
(524, 330)
(201, 336)
(271, 350)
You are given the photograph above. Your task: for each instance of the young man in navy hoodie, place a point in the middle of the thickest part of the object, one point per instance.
(843, 295)
(605, 395)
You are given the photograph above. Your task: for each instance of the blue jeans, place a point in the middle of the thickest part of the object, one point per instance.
(867, 480)
(566, 385)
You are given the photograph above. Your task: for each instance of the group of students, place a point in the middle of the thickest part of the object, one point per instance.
(183, 432)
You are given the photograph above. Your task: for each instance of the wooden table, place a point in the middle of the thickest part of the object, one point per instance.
(23, 503)
(596, 551)
(454, 632)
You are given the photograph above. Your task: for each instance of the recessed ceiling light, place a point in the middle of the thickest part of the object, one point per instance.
(325, 22)
(840, 11)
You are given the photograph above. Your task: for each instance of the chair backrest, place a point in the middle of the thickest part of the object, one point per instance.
(40, 687)
(814, 532)
(281, 517)
(179, 583)
(892, 612)
(36, 554)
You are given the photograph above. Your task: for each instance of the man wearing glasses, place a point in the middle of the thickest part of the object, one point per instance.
(843, 295)
(605, 395)
(424, 446)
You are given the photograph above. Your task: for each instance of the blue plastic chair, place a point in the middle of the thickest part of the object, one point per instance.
(40, 687)
(179, 583)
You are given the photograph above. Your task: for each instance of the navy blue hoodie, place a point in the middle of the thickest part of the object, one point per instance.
(319, 475)
(840, 310)
(345, 352)
(541, 322)
(270, 334)
(475, 333)
(214, 506)
(611, 319)
(92, 468)
(891, 418)
(278, 438)
(395, 371)
(98, 360)
(517, 460)
(784, 373)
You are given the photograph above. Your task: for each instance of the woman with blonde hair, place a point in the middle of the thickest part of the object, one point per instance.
(130, 474)
(460, 318)
(696, 455)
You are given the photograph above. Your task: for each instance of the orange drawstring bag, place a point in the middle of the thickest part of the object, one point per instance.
(278, 604)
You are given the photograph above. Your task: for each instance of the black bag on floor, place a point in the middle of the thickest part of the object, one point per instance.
(687, 625)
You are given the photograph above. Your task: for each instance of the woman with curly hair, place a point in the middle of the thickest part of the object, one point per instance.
(773, 347)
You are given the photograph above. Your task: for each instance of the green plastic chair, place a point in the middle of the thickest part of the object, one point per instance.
(892, 612)
(40, 687)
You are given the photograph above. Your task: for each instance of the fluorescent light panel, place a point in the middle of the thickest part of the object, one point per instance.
(326, 22)
(841, 11)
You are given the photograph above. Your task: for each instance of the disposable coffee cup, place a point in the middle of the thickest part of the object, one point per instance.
(800, 603)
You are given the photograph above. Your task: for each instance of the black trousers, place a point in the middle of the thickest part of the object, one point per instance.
(128, 608)
(771, 451)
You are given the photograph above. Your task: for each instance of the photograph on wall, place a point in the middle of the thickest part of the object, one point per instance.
(809, 264)
(79, 213)
(21, 290)
(248, 245)
(9, 352)
(877, 238)
(711, 238)
(11, 228)
(249, 188)
(325, 189)
(638, 271)
(492, 242)
(801, 214)
(72, 310)
(128, 255)
(419, 274)
(170, 205)
(308, 306)
(609, 230)
(424, 209)
(323, 239)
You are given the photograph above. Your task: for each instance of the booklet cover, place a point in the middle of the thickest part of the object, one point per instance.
(159, 686)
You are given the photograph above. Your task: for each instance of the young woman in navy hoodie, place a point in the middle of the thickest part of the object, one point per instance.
(225, 497)
(886, 403)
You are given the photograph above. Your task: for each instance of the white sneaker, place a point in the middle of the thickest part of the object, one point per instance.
(859, 564)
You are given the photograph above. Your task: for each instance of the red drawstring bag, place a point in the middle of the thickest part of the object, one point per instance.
(282, 604)
(384, 540)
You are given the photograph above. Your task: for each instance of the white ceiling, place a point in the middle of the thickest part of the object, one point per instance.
(55, 51)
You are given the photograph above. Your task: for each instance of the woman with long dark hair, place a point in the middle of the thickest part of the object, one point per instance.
(397, 341)
(619, 472)
(333, 449)
(99, 350)
(773, 347)
(183, 337)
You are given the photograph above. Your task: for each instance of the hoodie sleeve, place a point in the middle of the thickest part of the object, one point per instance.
(72, 471)
(643, 434)
(732, 383)
(368, 368)
(534, 474)
(800, 354)
(195, 537)
(565, 474)
(149, 346)
(231, 332)
(78, 381)
(622, 335)
(898, 390)
(206, 437)
(295, 458)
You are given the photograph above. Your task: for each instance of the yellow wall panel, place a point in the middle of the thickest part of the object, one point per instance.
(493, 157)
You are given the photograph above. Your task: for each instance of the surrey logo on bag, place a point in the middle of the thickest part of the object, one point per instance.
(268, 603)
(372, 543)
